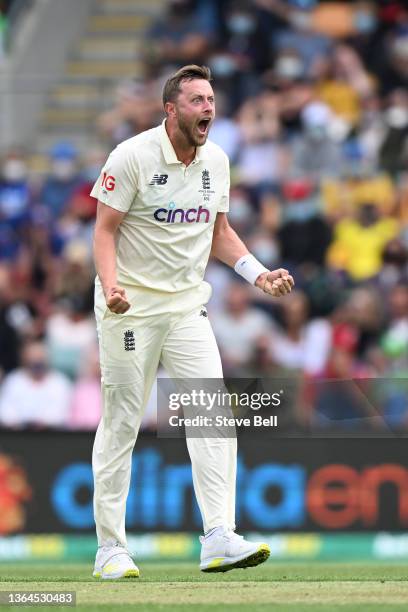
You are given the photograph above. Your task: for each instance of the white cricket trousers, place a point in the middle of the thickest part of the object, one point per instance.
(185, 344)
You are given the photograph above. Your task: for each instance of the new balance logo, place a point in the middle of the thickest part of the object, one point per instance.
(203, 313)
(159, 179)
(129, 340)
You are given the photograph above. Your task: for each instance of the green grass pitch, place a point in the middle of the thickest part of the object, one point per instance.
(332, 587)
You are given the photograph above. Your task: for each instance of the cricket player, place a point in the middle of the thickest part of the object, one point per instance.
(162, 209)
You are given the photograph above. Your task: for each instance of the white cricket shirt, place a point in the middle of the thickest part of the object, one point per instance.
(164, 240)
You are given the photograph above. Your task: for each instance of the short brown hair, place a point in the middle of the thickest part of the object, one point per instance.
(186, 73)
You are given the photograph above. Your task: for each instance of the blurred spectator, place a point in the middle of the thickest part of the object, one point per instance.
(224, 131)
(301, 344)
(370, 130)
(81, 204)
(359, 242)
(343, 82)
(262, 160)
(315, 153)
(35, 395)
(182, 36)
(137, 108)
(76, 274)
(343, 196)
(392, 60)
(239, 327)
(70, 335)
(240, 53)
(357, 323)
(394, 341)
(241, 208)
(9, 338)
(299, 35)
(305, 235)
(393, 154)
(86, 404)
(264, 247)
(394, 268)
(60, 185)
(14, 203)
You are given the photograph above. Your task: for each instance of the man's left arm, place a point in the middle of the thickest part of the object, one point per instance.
(228, 247)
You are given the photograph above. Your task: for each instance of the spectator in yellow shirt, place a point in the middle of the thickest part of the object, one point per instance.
(358, 244)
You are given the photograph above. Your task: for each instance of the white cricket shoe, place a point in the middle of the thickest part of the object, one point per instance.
(114, 562)
(225, 550)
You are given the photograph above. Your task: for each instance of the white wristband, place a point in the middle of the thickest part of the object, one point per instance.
(249, 268)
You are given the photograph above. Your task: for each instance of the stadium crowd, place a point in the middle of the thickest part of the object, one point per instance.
(312, 109)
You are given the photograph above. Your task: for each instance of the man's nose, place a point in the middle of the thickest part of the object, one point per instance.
(208, 106)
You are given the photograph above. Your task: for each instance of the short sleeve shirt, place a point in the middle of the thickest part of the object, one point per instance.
(164, 240)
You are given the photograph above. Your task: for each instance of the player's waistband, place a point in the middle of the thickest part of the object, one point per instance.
(145, 302)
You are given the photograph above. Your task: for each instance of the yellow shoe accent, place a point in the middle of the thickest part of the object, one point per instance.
(96, 574)
(110, 568)
(256, 558)
(216, 562)
(260, 556)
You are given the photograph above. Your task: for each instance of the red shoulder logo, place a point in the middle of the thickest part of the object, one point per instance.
(108, 182)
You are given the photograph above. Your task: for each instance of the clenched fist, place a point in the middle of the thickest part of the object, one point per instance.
(276, 282)
(116, 300)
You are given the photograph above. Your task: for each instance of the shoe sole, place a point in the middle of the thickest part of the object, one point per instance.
(128, 574)
(256, 558)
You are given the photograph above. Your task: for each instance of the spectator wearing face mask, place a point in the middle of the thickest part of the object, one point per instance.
(242, 52)
(393, 153)
(315, 153)
(60, 185)
(263, 158)
(34, 396)
(182, 36)
(15, 198)
(298, 33)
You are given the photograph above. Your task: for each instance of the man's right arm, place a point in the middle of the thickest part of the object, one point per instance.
(107, 222)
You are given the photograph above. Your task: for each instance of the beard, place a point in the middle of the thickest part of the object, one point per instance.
(187, 129)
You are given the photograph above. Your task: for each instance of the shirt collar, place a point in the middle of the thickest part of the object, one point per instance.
(169, 152)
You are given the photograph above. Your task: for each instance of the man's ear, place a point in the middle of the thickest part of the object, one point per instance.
(170, 109)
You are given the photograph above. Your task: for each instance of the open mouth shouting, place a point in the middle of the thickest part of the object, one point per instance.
(204, 125)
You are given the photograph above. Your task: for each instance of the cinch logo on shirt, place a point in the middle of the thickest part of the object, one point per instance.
(179, 215)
